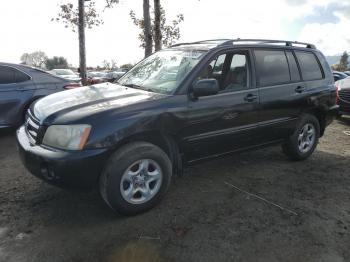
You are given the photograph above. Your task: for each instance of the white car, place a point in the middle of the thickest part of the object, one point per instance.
(66, 73)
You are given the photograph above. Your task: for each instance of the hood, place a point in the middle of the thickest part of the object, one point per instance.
(87, 100)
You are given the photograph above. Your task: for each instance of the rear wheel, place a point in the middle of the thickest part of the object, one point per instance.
(303, 142)
(136, 178)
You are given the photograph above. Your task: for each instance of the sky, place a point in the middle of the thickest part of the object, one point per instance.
(26, 26)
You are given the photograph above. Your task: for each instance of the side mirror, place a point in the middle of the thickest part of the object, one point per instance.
(206, 87)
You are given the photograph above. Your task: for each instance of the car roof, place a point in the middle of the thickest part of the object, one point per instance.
(20, 66)
(217, 43)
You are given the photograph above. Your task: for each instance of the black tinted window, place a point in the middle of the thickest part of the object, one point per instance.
(293, 67)
(272, 67)
(7, 75)
(21, 77)
(310, 69)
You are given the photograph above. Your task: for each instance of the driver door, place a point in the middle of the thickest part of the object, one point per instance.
(227, 121)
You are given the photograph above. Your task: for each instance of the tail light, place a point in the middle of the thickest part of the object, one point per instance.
(72, 86)
(337, 88)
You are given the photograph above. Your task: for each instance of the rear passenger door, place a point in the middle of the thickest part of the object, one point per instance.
(281, 91)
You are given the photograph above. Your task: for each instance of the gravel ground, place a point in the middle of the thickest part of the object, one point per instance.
(204, 217)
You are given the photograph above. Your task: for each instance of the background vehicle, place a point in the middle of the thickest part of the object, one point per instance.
(21, 85)
(339, 75)
(343, 96)
(114, 76)
(181, 105)
(97, 77)
(66, 73)
(347, 72)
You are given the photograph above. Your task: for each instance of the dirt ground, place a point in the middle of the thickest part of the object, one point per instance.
(202, 218)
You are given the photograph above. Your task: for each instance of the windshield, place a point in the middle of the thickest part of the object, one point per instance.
(163, 71)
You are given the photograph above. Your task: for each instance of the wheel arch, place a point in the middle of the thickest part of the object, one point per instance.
(167, 142)
(320, 113)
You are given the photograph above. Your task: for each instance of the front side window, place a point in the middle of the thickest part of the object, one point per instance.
(272, 67)
(230, 70)
(237, 75)
(163, 71)
(310, 68)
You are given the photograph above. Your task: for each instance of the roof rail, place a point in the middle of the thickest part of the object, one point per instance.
(267, 41)
(202, 42)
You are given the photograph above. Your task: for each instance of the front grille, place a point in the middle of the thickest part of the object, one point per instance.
(32, 127)
(345, 95)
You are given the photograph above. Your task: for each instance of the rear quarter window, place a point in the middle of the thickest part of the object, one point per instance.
(9, 75)
(21, 77)
(309, 66)
(272, 67)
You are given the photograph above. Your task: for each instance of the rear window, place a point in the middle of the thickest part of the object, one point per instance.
(272, 67)
(310, 68)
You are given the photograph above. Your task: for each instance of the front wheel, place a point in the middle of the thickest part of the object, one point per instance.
(303, 142)
(136, 178)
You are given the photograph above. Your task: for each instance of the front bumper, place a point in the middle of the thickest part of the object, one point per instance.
(69, 169)
(344, 108)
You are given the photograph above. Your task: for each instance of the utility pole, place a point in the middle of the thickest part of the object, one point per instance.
(157, 29)
(82, 50)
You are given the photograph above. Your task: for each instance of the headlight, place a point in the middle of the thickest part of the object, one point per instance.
(71, 137)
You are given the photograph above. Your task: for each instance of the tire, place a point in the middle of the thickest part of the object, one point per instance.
(296, 146)
(130, 167)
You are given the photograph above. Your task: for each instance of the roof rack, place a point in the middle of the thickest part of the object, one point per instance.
(239, 40)
(268, 41)
(203, 42)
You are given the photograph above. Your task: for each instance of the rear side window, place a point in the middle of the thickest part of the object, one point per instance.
(293, 67)
(9, 75)
(20, 77)
(272, 67)
(310, 68)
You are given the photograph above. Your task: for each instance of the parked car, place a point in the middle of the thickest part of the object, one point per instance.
(67, 74)
(343, 96)
(21, 85)
(97, 77)
(339, 75)
(114, 76)
(130, 138)
(347, 73)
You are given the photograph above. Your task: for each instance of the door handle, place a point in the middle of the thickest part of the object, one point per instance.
(251, 98)
(300, 89)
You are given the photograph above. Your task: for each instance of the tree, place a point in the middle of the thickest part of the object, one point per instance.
(81, 17)
(56, 62)
(344, 62)
(147, 31)
(169, 32)
(69, 15)
(35, 59)
(126, 66)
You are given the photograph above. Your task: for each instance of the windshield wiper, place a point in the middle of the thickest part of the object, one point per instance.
(138, 87)
(132, 86)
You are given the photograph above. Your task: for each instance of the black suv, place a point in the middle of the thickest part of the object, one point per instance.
(184, 104)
